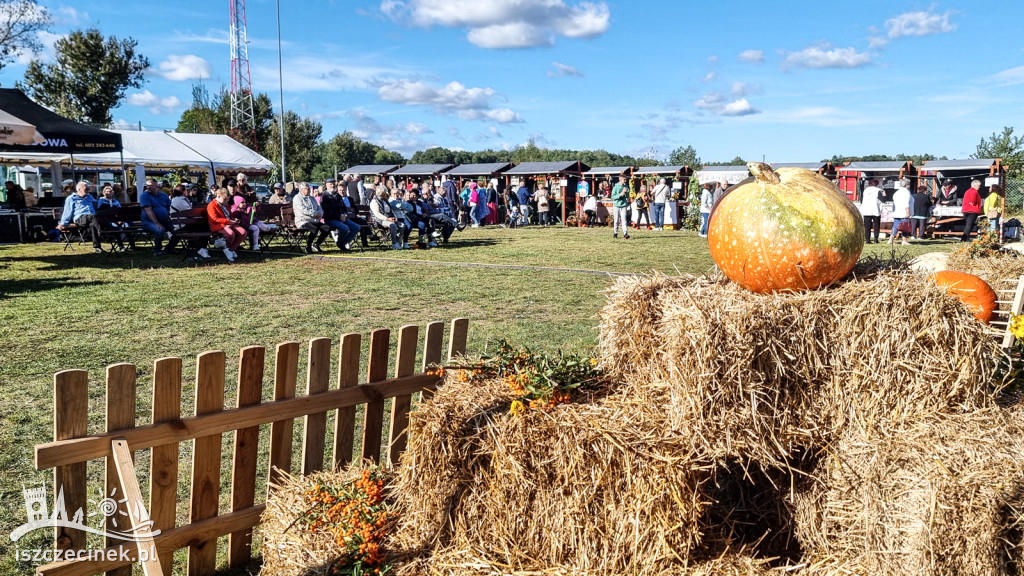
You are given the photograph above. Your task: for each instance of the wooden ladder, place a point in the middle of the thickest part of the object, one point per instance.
(1010, 303)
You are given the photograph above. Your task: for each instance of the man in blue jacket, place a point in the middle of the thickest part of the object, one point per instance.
(524, 198)
(80, 208)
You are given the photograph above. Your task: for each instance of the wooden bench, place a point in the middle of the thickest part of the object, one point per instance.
(269, 214)
(119, 225)
(288, 231)
(192, 228)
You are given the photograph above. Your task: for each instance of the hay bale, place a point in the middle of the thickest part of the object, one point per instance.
(579, 487)
(941, 497)
(763, 376)
(1004, 265)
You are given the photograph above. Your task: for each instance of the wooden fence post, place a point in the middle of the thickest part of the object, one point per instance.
(405, 365)
(457, 339)
(202, 556)
(318, 379)
(373, 418)
(286, 369)
(243, 470)
(345, 421)
(70, 420)
(163, 476)
(120, 415)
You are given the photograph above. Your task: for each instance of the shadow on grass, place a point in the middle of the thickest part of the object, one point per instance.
(9, 288)
(143, 259)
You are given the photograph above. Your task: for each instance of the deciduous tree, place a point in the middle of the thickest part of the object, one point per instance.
(1006, 146)
(20, 24)
(89, 76)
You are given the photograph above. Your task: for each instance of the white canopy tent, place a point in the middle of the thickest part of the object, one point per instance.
(14, 130)
(161, 151)
(730, 174)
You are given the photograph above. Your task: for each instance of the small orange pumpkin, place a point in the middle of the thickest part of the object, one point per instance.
(969, 289)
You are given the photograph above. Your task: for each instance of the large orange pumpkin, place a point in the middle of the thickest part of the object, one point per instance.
(788, 229)
(969, 289)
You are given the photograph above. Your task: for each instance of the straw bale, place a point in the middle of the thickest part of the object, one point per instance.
(289, 549)
(941, 497)
(579, 487)
(764, 376)
(999, 266)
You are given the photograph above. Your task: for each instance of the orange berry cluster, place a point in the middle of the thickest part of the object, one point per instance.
(358, 517)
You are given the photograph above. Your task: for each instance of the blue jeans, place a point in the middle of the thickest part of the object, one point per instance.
(704, 217)
(160, 235)
(658, 212)
(347, 230)
(474, 213)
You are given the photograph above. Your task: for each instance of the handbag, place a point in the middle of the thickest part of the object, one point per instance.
(904, 227)
(992, 214)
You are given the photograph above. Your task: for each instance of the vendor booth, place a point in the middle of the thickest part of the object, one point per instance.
(597, 177)
(418, 172)
(479, 173)
(677, 178)
(561, 178)
(853, 177)
(948, 219)
(826, 169)
(364, 170)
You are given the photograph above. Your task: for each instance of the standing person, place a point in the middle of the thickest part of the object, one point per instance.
(971, 208)
(218, 214)
(471, 198)
(307, 216)
(921, 211)
(524, 197)
(79, 208)
(707, 200)
(590, 211)
(542, 205)
(720, 191)
(900, 211)
(948, 195)
(871, 210)
(511, 208)
(642, 201)
(994, 206)
(492, 201)
(156, 218)
(659, 196)
(620, 203)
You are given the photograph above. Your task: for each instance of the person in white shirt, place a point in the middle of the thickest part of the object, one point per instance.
(900, 210)
(659, 196)
(706, 201)
(871, 210)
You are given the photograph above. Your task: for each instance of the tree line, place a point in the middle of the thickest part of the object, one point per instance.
(91, 74)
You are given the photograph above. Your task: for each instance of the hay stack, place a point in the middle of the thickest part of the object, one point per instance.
(942, 497)
(1000, 266)
(580, 488)
(763, 376)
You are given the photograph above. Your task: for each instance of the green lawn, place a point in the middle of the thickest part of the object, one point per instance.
(75, 309)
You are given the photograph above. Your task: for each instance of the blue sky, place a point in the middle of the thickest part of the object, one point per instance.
(784, 81)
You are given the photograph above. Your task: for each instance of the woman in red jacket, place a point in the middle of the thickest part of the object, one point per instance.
(218, 212)
(971, 208)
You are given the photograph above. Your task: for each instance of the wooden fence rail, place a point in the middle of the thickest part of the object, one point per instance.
(73, 446)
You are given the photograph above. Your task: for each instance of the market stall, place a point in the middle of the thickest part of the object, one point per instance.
(853, 177)
(825, 168)
(364, 170)
(678, 178)
(596, 178)
(948, 218)
(729, 174)
(413, 173)
(561, 178)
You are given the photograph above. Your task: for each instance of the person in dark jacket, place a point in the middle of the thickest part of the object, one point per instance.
(921, 207)
(336, 216)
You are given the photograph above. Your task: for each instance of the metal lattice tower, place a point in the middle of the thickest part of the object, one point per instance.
(243, 119)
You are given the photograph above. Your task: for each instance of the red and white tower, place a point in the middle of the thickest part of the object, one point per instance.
(243, 119)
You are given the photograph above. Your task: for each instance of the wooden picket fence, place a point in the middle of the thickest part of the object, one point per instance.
(73, 446)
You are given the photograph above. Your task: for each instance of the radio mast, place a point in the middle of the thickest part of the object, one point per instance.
(243, 119)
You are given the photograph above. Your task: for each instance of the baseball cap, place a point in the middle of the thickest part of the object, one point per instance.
(330, 180)
(278, 185)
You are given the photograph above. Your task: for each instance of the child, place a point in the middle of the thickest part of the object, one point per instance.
(245, 214)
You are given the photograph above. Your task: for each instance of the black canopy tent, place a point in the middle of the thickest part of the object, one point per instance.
(61, 136)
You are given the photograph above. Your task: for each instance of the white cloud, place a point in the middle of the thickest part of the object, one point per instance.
(122, 124)
(825, 56)
(417, 128)
(1010, 77)
(403, 138)
(503, 24)
(563, 70)
(453, 98)
(67, 16)
(155, 104)
(709, 77)
(713, 58)
(717, 104)
(918, 24)
(755, 56)
(740, 89)
(187, 67)
(453, 131)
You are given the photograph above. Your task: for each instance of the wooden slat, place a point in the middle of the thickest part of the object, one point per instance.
(318, 381)
(457, 338)
(125, 468)
(163, 475)
(243, 470)
(373, 419)
(286, 368)
(120, 416)
(432, 344)
(405, 365)
(1015, 310)
(202, 555)
(70, 420)
(64, 452)
(166, 542)
(345, 421)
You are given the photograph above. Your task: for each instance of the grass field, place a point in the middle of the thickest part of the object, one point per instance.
(539, 287)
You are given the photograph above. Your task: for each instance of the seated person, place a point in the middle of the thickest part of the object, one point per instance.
(400, 208)
(108, 199)
(307, 217)
(218, 213)
(246, 216)
(336, 215)
(352, 215)
(279, 196)
(80, 208)
(443, 203)
(441, 225)
(417, 217)
(156, 218)
(383, 217)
